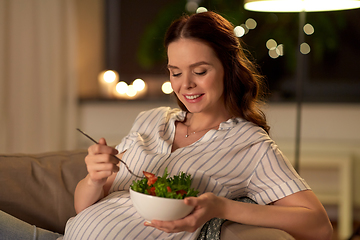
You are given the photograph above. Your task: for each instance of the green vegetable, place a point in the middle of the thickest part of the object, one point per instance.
(177, 187)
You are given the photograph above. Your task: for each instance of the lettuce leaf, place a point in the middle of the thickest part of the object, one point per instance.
(180, 186)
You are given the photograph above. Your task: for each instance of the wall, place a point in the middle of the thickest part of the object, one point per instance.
(90, 59)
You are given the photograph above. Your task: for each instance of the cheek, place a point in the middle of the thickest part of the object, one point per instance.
(174, 86)
(220, 83)
(216, 83)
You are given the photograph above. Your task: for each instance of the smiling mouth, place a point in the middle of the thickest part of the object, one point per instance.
(191, 97)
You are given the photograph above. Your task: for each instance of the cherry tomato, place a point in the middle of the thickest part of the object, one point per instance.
(151, 181)
(182, 192)
(168, 189)
(151, 191)
(148, 175)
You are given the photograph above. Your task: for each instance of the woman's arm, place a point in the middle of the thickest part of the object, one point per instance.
(102, 168)
(300, 214)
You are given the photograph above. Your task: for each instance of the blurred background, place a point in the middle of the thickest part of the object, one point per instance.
(54, 57)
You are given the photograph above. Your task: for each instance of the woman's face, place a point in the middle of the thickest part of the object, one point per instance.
(196, 75)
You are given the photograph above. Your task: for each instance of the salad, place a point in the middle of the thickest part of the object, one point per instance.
(177, 187)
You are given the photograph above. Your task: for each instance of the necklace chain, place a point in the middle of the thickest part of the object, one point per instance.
(188, 134)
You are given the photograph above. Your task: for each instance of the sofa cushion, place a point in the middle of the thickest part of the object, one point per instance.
(39, 188)
(231, 231)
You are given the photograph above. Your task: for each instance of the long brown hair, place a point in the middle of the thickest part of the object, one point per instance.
(242, 81)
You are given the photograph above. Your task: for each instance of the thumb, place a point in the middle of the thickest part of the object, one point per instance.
(191, 201)
(102, 141)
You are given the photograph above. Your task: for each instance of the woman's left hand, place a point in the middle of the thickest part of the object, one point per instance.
(207, 206)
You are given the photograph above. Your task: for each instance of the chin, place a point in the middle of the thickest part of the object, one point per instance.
(194, 110)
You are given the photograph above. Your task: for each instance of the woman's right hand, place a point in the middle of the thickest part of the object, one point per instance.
(101, 162)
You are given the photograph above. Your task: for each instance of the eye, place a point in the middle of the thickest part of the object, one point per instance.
(200, 72)
(176, 74)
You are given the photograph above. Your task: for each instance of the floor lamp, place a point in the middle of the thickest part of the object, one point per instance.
(300, 6)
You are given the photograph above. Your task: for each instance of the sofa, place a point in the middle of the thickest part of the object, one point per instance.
(39, 189)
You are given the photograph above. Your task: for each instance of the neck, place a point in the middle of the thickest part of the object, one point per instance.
(200, 121)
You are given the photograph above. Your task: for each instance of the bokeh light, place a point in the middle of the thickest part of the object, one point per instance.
(131, 92)
(273, 53)
(305, 48)
(275, 50)
(308, 29)
(271, 44)
(191, 6)
(109, 76)
(138, 84)
(239, 31)
(122, 87)
(166, 88)
(245, 28)
(251, 23)
(201, 9)
(280, 49)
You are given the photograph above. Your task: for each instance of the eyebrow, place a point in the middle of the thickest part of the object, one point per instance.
(192, 65)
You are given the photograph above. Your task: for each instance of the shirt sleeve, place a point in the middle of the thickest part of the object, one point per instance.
(145, 123)
(131, 138)
(274, 178)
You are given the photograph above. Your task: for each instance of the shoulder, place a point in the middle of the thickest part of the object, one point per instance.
(244, 130)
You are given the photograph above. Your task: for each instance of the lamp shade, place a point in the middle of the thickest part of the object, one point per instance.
(300, 5)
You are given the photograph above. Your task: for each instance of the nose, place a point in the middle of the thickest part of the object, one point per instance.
(188, 82)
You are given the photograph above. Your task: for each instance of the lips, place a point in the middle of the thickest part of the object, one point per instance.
(193, 98)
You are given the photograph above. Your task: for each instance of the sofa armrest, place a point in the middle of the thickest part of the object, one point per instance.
(236, 231)
(39, 188)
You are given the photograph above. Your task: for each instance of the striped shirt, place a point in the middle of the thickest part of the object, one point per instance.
(238, 159)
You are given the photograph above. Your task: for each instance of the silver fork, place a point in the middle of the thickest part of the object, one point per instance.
(112, 155)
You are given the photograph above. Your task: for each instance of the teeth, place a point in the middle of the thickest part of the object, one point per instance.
(193, 96)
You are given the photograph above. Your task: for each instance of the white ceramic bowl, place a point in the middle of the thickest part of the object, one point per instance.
(159, 208)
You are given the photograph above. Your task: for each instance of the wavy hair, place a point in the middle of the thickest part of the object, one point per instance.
(242, 81)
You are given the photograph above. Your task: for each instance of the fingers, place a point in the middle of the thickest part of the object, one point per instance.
(102, 141)
(198, 202)
(100, 171)
(206, 206)
(188, 224)
(102, 148)
(101, 158)
(191, 201)
(99, 176)
(93, 165)
(101, 162)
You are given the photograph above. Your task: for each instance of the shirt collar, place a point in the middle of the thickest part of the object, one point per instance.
(180, 115)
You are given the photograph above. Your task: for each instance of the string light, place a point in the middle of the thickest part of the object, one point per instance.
(166, 88)
(243, 29)
(239, 31)
(305, 48)
(131, 92)
(308, 29)
(138, 84)
(251, 23)
(275, 50)
(109, 76)
(271, 44)
(280, 49)
(191, 6)
(107, 81)
(135, 90)
(201, 10)
(121, 87)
